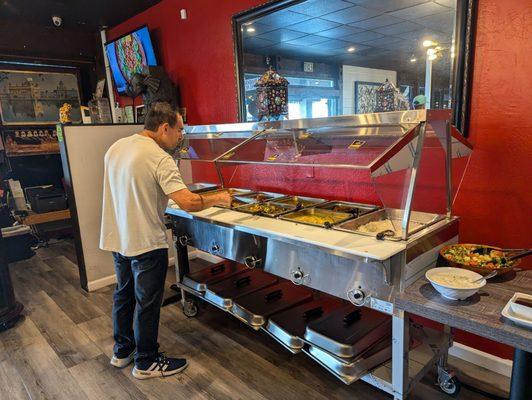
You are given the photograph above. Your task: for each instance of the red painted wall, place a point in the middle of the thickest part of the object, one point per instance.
(495, 200)
(197, 53)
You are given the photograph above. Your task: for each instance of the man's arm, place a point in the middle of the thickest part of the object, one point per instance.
(190, 202)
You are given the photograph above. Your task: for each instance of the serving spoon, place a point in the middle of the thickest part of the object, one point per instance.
(490, 275)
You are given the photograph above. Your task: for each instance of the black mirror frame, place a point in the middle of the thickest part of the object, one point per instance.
(465, 25)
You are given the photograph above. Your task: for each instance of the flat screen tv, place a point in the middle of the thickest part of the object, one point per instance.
(129, 54)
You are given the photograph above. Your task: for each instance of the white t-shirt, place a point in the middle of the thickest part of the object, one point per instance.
(139, 175)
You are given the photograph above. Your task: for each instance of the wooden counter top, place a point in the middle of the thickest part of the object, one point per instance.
(42, 218)
(480, 314)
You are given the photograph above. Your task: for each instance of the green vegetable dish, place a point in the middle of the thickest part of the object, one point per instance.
(468, 255)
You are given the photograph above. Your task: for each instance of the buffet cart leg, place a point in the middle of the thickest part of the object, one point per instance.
(400, 348)
(182, 267)
(447, 379)
(520, 387)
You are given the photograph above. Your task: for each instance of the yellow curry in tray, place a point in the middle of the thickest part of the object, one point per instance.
(316, 219)
(297, 200)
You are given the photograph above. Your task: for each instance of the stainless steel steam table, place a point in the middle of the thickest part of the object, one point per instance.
(334, 262)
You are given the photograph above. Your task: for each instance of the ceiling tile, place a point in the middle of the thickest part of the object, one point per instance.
(76, 15)
(363, 36)
(282, 18)
(307, 40)
(418, 11)
(419, 35)
(401, 45)
(342, 30)
(313, 25)
(383, 41)
(372, 52)
(255, 43)
(259, 29)
(443, 22)
(281, 35)
(447, 3)
(333, 44)
(317, 8)
(402, 27)
(351, 14)
(377, 22)
(388, 5)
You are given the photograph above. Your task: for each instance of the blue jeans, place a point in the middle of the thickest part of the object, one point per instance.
(137, 303)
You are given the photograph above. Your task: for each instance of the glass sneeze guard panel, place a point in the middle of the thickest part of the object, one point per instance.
(202, 145)
(397, 160)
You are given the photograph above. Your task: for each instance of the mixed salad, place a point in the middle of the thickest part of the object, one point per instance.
(469, 256)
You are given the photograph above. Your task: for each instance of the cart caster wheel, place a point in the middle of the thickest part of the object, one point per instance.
(190, 308)
(450, 386)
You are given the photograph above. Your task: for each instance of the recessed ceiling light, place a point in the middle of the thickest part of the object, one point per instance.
(250, 29)
(428, 43)
(413, 60)
(351, 49)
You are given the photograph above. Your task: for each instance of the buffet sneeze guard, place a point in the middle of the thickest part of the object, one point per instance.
(355, 207)
(404, 158)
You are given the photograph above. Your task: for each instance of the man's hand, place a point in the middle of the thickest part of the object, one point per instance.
(192, 202)
(225, 199)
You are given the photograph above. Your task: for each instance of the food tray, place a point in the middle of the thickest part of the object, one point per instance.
(357, 209)
(252, 197)
(224, 292)
(418, 221)
(350, 370)
(238, 194)
(199, 280)
(288, 327)
(348, 331)
(282, 208)
(254, 309)
(199, 188)
(304, 202)
(330, 217)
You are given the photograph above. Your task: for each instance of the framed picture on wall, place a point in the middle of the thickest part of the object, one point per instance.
(366, 97)
(35, 97)
(140, 113)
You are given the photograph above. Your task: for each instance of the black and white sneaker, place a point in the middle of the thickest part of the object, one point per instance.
(122, 362)
(162, 366)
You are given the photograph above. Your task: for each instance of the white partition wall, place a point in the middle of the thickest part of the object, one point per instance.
(82, 152)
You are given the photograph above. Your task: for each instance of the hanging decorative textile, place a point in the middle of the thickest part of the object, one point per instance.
(272, 96)
(389, 98)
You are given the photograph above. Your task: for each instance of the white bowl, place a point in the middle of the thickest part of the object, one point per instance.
(454, 283)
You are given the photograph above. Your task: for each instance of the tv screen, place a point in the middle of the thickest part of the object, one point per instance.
(130, 54)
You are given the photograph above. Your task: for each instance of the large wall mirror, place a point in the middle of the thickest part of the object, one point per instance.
(336, 53)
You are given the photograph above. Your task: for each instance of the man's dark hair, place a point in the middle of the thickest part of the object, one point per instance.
(158, 114)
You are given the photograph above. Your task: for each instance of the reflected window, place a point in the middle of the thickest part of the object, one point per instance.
(341, 57)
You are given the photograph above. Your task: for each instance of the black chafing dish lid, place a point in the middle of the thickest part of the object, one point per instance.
(217, 272)
(349, 324)
(243, 283)
(295, 320)
(272, 299)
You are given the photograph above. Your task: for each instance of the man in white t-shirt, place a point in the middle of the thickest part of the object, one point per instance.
(140, 177)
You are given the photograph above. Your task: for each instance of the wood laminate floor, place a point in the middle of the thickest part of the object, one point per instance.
(61, 349)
